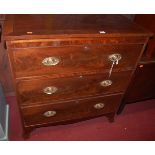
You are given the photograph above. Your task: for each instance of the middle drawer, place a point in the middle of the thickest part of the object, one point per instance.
(40, 90)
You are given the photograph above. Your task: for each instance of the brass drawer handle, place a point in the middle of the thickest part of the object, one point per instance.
(49, 113)
(115, 57)
(106, 83)
(50, 90)
(51, 61)
(99, 106)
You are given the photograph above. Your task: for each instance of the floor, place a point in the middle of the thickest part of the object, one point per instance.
(137, 122)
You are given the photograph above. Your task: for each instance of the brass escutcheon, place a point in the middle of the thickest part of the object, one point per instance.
(49, 113)
(51, 61)
(99, 106)
(106, 83)
(50, 90)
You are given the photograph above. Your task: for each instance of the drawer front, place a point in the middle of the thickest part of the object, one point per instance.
(46, 89)
(72, 59)
(61, 112)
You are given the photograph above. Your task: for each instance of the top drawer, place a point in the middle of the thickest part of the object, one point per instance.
(72, 59)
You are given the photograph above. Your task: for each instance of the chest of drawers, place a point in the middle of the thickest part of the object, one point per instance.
(67, 68)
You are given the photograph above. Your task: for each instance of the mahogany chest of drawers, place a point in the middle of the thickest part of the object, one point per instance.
(67, 68)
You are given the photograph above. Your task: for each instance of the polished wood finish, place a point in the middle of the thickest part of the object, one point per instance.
(31, 91)
(102, 40)
(77, 59)
(54, 26)
(81, 46)
(78, 109)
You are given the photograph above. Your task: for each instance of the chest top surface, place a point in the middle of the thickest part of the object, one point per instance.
(48, 26)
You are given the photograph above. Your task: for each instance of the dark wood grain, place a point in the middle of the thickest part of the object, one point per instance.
(70, 110)
(31, 91)
(77, 59)
(67, 41)
(83, 44)
(49, 26)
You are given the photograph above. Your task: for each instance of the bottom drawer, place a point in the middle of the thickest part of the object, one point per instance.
(60, 112)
